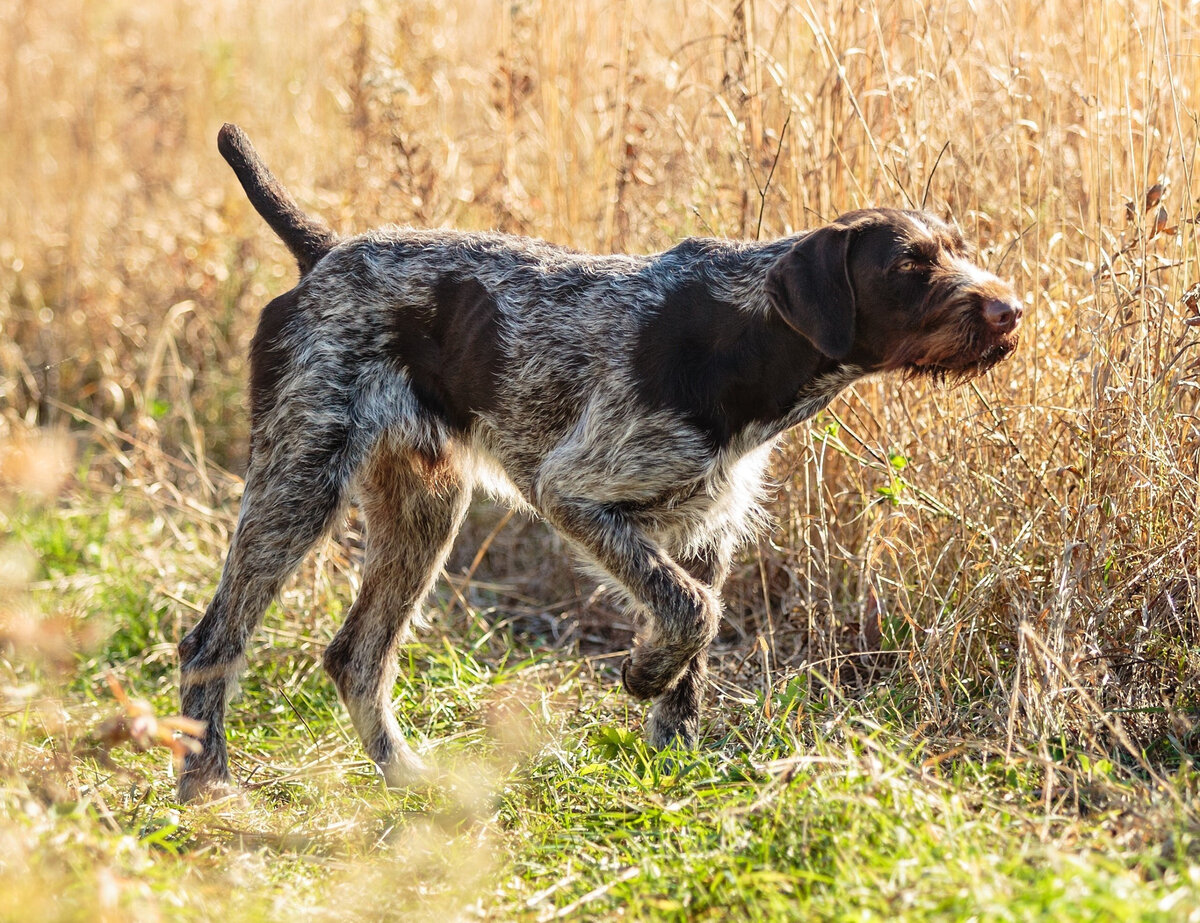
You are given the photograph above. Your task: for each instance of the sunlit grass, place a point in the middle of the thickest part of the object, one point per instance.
(806, 802)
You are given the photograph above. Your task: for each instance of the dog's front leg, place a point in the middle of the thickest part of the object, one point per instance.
(675, 717)
(683, 612)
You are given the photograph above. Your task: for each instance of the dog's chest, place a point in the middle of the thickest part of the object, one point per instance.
(724, 498)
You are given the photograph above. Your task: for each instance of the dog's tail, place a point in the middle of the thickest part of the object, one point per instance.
(308, 238)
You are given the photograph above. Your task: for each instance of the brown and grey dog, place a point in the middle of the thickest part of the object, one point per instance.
(631, 401)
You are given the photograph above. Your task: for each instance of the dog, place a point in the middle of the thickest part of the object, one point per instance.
(630, 401)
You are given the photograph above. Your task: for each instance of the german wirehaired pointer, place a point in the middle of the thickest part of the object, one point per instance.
(632, 401)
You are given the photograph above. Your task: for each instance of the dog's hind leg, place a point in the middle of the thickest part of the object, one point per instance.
(413, 512)
(294, 492)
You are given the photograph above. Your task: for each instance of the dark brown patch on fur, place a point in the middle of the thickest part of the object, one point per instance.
(269, 354)
(719, 367)
(452, 354)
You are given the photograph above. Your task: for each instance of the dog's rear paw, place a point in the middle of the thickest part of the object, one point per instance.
(194, 787)
(404, 770)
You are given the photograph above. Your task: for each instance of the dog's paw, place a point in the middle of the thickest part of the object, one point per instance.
(663, 730)
(194, 787)
(404, 770)
(647, 673)
(674, 719)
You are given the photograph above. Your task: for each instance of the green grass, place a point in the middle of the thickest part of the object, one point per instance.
(806, 805)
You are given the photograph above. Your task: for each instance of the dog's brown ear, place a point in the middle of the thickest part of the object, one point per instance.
(811, 289)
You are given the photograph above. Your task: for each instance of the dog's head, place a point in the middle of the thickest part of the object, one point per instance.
(896, 291)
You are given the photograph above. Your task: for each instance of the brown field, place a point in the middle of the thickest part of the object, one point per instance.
(1018, 556)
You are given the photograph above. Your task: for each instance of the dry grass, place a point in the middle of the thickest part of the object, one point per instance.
(1016, 560)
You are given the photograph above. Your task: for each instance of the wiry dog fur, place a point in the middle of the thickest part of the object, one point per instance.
(632, 401)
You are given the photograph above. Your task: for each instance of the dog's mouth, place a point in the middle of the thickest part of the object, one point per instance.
(962, 365)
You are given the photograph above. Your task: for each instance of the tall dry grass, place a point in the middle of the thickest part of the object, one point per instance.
(1023, 549)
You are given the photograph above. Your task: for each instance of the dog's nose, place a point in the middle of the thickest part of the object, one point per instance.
(1002, 315)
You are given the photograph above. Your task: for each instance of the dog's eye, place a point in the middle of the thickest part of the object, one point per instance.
(909, 266)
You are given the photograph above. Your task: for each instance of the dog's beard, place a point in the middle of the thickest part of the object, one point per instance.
(956, 373)
(955, 347)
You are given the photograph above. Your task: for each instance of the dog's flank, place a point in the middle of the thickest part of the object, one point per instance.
(631, 401)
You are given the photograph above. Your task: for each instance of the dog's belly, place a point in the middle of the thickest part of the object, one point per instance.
(721, 504)
(487, 473)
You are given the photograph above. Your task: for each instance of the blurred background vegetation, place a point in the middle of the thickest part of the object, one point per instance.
(1016, 559)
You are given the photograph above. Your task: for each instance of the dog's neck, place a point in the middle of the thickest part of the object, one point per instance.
(816, 395)
(784, 380)
(738, 375)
